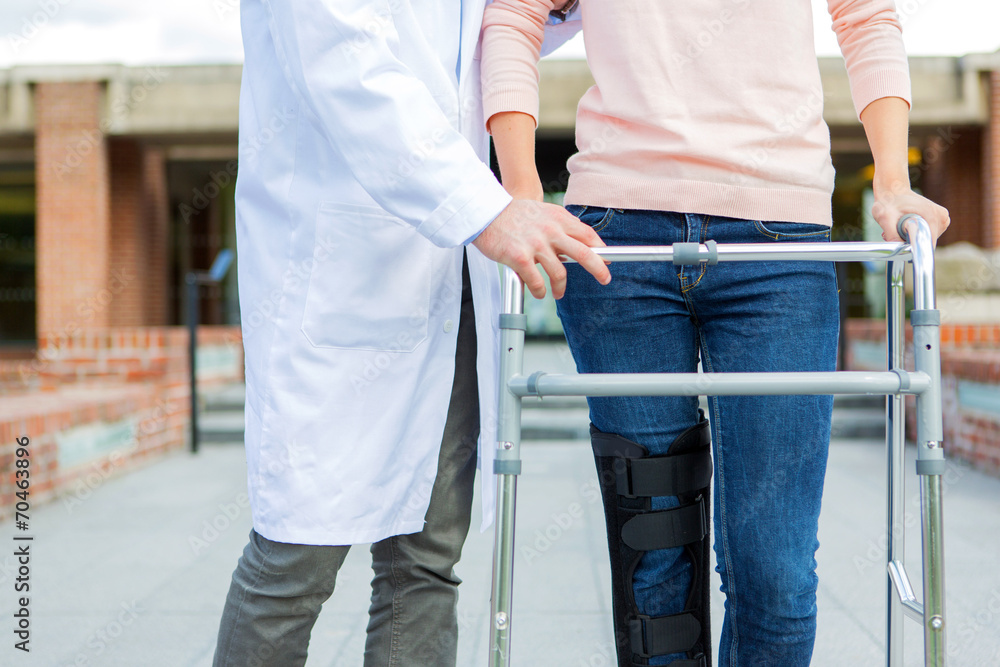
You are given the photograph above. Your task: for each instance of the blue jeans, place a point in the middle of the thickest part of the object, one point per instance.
(769, 452)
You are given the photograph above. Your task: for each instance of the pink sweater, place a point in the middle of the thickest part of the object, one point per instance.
(701, 106)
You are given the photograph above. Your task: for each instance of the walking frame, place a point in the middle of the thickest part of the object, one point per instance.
(924, 382)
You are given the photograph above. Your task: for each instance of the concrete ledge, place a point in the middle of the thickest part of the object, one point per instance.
(79, 438)
(100, 401)
(190, 99)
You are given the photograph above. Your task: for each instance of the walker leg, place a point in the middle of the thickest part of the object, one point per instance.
(895, 480)
(930, 467)
(926, 321)
(503, 571)
(930, 496)
(506, 466)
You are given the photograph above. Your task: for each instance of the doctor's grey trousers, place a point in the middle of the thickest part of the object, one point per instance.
(278, 589)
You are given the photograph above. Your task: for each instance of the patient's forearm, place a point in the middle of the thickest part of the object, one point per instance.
(514, 141)
(886, 122)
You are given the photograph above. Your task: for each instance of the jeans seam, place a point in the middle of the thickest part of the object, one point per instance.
(689, 304)
(690, 287)
(394, 631)
(701, 265)
(776, 236)
(763, 230)
(605, 221)
(732, 598)
(720, 475)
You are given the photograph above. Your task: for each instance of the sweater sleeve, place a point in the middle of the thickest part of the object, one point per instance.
(513, 32)
(871, 39)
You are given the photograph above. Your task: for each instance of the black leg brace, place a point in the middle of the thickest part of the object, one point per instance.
(629, 479)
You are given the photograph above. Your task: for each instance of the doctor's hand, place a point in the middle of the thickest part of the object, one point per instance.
(529, 232)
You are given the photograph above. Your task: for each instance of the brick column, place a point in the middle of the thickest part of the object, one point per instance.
(139, 234)
(951, 176)
(73, 215)
(991, 168)
(156, 210)
(128, 233)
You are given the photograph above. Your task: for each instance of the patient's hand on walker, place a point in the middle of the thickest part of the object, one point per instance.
(893, 202)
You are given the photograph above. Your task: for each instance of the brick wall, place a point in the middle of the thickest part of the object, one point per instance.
(970, 383)
(970, 380)
(73, 215)
(952, 177)
(991, 168)
(101, 402)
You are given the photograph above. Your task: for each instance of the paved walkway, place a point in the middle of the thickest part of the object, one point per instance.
(135, 573)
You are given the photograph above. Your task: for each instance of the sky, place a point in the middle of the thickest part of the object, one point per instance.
(140, 32)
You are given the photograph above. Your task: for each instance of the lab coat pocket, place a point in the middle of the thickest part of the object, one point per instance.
(373, 291)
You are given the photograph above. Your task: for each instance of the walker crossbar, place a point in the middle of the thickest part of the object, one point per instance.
(924, 382)
(720, 384)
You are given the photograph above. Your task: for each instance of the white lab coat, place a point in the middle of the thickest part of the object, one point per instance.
(361, 177)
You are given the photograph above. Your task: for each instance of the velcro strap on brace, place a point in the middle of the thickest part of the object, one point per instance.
(666, 475)
(700, 661)
(663, 529)
(696, 662)
(650, 636)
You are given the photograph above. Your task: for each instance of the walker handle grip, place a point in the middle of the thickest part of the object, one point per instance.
(901, 225)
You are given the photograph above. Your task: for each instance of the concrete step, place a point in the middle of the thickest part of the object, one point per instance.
(225, 398)
(555, 424)
(859, 401)
(554, 402)
(221, 426)
(565, 424)
(855, 423)
(221, 416)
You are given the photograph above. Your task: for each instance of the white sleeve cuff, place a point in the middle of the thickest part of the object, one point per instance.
(466, 212)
